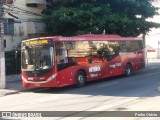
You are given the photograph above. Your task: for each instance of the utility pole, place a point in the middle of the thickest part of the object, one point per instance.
(144, 46)
(2, 56)
(158, 51)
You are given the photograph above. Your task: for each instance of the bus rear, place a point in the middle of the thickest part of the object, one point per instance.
(38, 63)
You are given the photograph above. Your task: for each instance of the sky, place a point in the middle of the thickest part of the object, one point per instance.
(154, 35)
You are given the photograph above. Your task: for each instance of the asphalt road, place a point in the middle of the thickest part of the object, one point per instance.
(139, 92)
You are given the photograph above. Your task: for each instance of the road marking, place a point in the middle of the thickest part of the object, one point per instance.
(107, 84)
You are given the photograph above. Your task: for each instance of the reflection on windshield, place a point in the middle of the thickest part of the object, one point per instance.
(37, 58)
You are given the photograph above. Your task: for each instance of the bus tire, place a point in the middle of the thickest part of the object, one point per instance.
(128, 70)
(80, 79)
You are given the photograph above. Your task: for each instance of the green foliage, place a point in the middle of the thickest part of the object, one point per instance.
(123, 17)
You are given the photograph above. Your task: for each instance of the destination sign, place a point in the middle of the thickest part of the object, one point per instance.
(36, 42)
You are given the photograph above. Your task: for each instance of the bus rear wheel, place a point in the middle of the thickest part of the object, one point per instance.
(80, 79)
(128, 70)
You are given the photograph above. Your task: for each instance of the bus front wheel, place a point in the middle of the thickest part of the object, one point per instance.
(128, 70)
(80, 79)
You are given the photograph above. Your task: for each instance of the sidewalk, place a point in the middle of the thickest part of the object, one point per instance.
(13, 85)
(153, 60)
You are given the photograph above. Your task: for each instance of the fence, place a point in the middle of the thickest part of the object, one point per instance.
(12, 62)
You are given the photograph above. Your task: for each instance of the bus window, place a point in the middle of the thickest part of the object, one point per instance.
(108, 49)
(130, 47)
(37, 58)
(62, 54)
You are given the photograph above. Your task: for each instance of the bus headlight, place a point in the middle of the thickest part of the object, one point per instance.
(51, 77)
(23, 78)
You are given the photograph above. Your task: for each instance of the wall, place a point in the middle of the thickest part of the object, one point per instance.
(26, 26)
(152, 55)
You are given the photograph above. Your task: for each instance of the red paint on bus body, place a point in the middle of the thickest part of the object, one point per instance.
(100, 68)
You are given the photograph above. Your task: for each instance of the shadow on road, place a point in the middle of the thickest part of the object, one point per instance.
(132, 86)
(144, 83)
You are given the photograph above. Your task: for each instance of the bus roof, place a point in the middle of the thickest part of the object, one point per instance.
(89, 37)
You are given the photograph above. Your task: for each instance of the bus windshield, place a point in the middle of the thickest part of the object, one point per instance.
(39, 57)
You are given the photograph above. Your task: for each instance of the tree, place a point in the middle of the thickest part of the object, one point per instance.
(123, 17)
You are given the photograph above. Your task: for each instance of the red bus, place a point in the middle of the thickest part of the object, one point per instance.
(61, 61)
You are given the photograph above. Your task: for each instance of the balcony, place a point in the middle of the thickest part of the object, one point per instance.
(35, 3)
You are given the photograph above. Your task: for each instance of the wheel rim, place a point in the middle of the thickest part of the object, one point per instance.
(128, 70)
(81, 79)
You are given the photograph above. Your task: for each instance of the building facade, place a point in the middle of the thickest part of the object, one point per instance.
(21, 21)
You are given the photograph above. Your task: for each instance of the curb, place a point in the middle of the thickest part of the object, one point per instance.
(16, 92)
(8, 93)
(11, 93)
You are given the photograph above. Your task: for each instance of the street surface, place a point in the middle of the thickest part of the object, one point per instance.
(139, 92)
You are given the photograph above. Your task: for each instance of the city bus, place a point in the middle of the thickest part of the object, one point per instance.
(62, 61)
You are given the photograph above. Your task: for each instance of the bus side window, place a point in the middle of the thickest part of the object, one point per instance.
(62, 55)
(112, 50)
